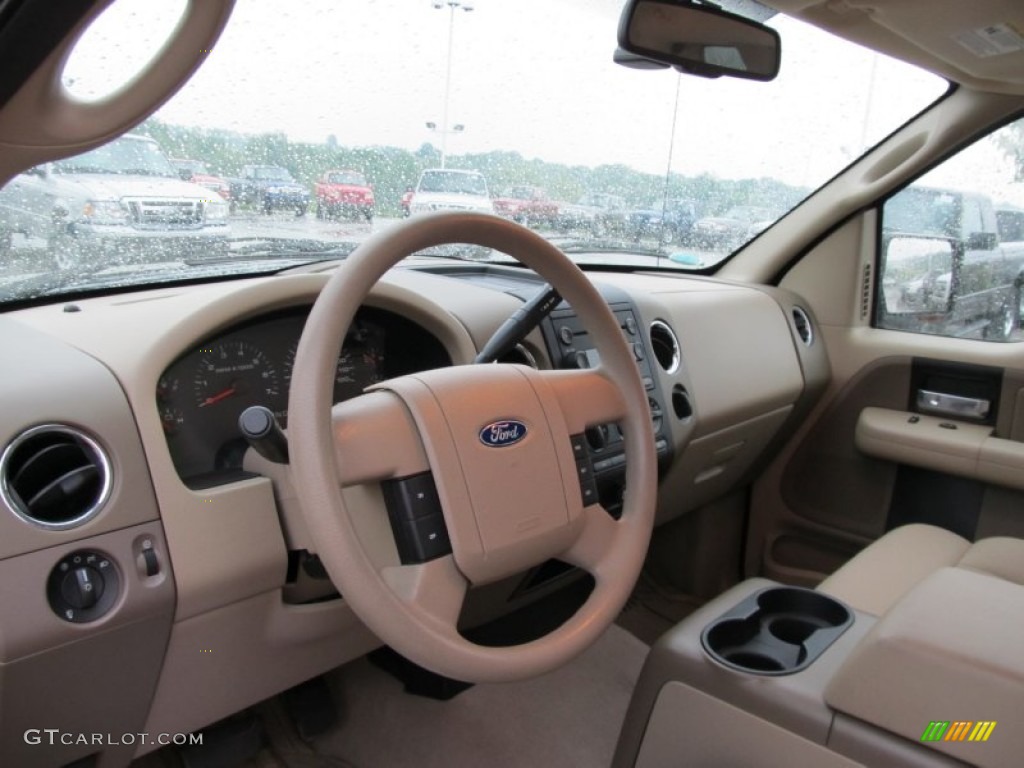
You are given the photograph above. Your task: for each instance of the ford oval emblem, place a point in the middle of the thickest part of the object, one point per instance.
(501, 434)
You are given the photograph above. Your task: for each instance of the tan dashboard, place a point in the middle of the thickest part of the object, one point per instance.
(731, 368)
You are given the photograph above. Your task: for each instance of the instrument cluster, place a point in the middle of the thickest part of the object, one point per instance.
(201, 395)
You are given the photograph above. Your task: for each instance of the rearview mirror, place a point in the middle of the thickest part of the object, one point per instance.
(699, 40)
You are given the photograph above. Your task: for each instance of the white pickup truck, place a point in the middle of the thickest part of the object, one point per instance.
(121, 203)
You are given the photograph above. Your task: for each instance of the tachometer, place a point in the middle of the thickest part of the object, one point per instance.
(360, 363)
(235, 373)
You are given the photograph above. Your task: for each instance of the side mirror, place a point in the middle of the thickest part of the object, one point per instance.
(699, 40)
(921, 275)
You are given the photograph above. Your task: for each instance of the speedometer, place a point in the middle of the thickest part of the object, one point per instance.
(234, 374)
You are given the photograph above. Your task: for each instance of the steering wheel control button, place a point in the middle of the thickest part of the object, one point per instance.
(417, 522)
(584, 470)
(427, 538)
(579, 446)
(413, 497)
(83, 586)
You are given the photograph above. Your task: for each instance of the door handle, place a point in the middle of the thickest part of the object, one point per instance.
(952, 405)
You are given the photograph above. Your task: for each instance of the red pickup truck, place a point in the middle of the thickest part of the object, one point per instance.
(344, 192)
(527, 205)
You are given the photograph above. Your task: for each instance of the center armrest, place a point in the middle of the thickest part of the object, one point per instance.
(948, 651)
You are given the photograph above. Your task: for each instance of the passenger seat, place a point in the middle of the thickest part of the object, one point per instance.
(877, 577)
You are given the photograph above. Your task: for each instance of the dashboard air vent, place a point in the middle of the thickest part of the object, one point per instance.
(804, 329)
(54, 476)
(665, 346)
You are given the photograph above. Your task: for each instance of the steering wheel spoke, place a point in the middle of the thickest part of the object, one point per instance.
(596, 539)
(434, 590)
(375, 439)
(587, 398)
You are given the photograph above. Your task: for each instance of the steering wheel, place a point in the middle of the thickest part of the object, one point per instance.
(511, 500)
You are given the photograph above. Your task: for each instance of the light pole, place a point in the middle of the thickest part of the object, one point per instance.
(457, 128)
(444, 130)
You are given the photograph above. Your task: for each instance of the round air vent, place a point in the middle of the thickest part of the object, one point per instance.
(665, 346)
(804, 329)
(54, 476)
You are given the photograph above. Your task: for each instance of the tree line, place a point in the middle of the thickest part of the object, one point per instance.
(391, 170)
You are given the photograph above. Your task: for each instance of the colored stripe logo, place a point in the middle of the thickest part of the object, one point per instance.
(958, 730)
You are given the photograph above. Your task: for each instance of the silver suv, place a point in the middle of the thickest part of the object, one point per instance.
(120, 203)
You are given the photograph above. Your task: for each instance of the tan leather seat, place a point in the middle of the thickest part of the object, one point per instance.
(876, 578)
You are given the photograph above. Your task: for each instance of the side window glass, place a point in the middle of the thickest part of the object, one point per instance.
(952, 245)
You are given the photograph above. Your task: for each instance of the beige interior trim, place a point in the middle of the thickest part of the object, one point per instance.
(895, 26)
(892, 565)
(942, 653)
(941, 444)
(1001, 556)
(689, 727)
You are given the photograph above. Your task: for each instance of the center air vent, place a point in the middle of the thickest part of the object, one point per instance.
(54, 476)
(804, 329)
(665, 346)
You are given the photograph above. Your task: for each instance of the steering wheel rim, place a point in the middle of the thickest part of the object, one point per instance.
(414, 608)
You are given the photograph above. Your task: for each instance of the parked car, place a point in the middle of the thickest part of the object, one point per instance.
(349, 499)
(197, 172)
(727, 230)
(528, 205)
(595, 213)
(121, 203)
(269, 188)
(344, 193)
(669, 223)
(447, 189)
(1010, 223)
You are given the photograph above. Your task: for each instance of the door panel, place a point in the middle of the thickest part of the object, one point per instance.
(822, 498)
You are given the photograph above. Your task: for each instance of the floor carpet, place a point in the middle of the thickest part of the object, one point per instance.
(568, 718)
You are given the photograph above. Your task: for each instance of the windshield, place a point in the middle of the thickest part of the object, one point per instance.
(453, 182)
(137, 157)
(616, 166)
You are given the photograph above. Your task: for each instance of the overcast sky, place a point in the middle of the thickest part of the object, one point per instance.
(534, 76)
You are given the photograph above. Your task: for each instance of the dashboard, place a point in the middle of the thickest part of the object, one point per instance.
(202, 394)
(205, 547)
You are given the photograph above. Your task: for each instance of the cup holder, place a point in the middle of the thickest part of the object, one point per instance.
(777, 631)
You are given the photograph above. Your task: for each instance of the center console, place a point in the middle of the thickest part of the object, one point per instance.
(745, 680)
